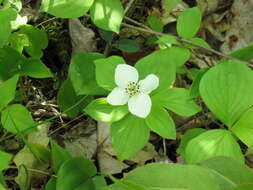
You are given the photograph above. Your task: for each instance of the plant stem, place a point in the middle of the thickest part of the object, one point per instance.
(148, 30)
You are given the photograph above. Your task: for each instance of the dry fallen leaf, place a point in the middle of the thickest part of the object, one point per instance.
(82, 38)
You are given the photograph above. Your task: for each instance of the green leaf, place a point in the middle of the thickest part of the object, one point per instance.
(105, 71)
(187, 137)
(227, 90)
(107, 15)
(35, 68)
(16, 118)
(99, 182)
(171, 4)
(40, 152)
(164, 69)
(59, 155)
(177, 100)
(155, 23)
(37, 38)
(8, 91)
(67, 98)
(82, 74)
(244, 53)
(167, 39)
(188, 22)
(23, 177)
(5, 158)
(18, 41)
(244, 187)
(76, 173)
(173, 176)
(217, 142)
(6, 16)
(179, 55)
(11, 61)
(66, 9)
(243, 128)
(161, 122)
(100, 110)
(230, 172)
(129, 46)
(198, 41)
(51, 184)
(129, 136)
(194, 90)
(106, 35)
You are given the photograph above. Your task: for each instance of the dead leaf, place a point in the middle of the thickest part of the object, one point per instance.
(81, 140)
(82, 38)
(239, 34)
(106, 156)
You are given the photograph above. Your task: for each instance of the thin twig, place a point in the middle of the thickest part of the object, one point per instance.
(65, 125)
(142, 29)
(44, 22)
(128, 6)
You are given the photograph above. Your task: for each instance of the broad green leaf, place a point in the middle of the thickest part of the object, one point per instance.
(171, 4)
(67, 8)
(167, 40)
(129, 46)
(100, 110)
(11, 61)
(243, 128)
(230, 172)
(35, 68)
(217, 142)
(23, 177)
(107, 15)
(16, 118)
(2, 187)
(248, 186)
(51, 184)
(59, 155)
(179, 55)
(187, 137)
(105, 71)
(174, 176)
(155, 23)
(37, 38)
(82, 74)
(129, 136)
(5, 158)
(40, 152)
(106, 35)
(76, 173)
(6, 16)
(8, 91)
(99, 182)
(177, 100)
(66, 98)
(227, 90)
(164, 69)
(198, 41)
(16, 4)
(161, 122)
(20, 20)
(244, 53)
(194, 90)
(188, 23)
(18, 41)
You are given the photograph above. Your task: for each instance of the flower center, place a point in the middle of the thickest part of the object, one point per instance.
(132, 89)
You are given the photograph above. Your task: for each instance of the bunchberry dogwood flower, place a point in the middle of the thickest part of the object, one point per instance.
(130, 91)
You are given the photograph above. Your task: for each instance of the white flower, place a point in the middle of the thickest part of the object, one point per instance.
(130, 91)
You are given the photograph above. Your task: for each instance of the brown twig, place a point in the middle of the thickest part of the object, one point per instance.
(148, 30)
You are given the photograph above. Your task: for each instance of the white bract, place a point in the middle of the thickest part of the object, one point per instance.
(130, 91)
